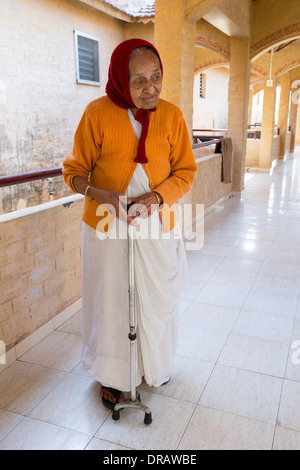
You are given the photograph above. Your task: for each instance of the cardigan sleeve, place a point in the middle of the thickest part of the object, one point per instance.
(86, 150)
(183, 165)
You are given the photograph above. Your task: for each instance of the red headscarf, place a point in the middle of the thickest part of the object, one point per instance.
(118, 91)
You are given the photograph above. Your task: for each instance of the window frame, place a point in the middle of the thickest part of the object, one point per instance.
(202, 85)
(78, 79)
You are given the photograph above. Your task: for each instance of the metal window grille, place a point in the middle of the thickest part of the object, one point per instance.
(87, 49)
(201, 86)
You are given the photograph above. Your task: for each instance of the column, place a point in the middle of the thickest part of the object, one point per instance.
(285, 83)
(251, 94)
(293, 124)
(238, 103)
(174, 38)
(267, 128)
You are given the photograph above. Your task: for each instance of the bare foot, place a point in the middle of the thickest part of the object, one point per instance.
(111, 395)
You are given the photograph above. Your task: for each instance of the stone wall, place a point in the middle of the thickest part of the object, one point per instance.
(253, 151)
(40, 271)
(207, 188)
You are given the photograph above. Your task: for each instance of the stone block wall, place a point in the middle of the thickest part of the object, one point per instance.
(40, 273)
(207, 188)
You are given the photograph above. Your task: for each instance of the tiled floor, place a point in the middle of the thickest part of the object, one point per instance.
(236, 380)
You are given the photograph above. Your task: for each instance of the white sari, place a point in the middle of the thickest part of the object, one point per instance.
(160, 272)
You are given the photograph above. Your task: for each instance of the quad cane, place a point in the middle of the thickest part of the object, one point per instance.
(134, 400)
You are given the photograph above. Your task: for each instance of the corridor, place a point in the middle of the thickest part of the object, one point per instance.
(236, 380)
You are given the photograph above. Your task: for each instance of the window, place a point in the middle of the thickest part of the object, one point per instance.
(87, 50)
(202, 85)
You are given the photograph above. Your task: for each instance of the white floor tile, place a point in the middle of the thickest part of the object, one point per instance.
(190, 291)
(101, 444)
(170, 418)
(74, 404)
(285, 439)
(73, 325)
(8, 421)
(243, 393)
(276, 285)
(200, 344)
(272, 304)
(254, 354)
(23, 386)
(188, 379)
(268, 327)
(31, 434)
(225, 296)
(216, 430)
(289, 410)
(210, 317)
(58, 350)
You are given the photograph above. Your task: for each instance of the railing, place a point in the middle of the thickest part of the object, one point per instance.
(253, 134)
(254, 131)
(215, 142)
(10, 180)
(208, 134)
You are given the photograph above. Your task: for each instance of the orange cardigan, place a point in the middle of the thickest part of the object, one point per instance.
(105, 146)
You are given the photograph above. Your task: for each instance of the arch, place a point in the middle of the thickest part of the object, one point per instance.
(212, 65)
(273, 45)
(216, 46)
(275, 38)
(272, 23)
(288, 67)
(209, 37)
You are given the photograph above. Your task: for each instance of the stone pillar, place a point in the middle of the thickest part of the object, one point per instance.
(285, 82)
(251, 94)
(174, 38)
(267, 127)
(238, 104)
(293, 124)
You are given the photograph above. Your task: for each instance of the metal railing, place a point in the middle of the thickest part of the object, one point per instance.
(215, 142)
(11, 180)
(206, 135)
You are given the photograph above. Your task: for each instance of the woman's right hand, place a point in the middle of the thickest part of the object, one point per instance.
(115, 199)
(111, 199)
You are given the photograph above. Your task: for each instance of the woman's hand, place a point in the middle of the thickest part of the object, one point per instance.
(144, 205)
(117, 200)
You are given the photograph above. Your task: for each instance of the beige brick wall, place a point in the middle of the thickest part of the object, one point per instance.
(252, 152)
(207, 188)
(40, 272)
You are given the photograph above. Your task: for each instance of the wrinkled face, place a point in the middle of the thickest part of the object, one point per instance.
(145, 79)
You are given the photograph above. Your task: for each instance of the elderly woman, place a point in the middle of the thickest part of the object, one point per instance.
(130, 143)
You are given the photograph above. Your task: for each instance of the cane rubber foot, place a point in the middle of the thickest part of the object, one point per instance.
(116, 415)
(148, 418)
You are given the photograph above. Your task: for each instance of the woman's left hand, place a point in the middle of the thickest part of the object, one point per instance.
(144, 205)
